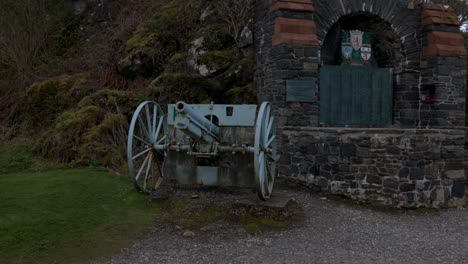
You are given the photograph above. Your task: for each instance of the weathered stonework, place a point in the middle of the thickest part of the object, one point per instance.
(418, 160)
(398, 167)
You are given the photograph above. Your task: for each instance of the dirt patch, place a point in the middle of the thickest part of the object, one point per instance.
(203, 209)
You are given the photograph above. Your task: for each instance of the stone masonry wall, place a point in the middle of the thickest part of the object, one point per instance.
(286, 49)
(443, 67)
(403, 168)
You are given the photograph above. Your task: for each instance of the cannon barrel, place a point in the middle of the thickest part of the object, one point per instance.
(195, 125)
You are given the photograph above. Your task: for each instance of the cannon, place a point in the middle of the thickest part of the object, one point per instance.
(208, 145)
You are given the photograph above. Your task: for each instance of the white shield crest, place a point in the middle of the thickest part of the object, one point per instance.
(366, 53)
(346, 50)
(356, 39)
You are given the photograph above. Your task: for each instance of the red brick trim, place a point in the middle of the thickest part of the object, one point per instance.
(444, 17)
(438, 7)
(445, 44)
(295, 31)
(293, 5)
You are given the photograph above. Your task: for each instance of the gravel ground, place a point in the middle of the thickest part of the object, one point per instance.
(332, 232)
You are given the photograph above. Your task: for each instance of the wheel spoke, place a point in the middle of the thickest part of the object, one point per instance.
(155, 114)
(270, 141)
(142, 140)
(148, 121)
(162, 139)
(141, 154)
(273, 158)
(142, 125)
(141, 168)
(161, 121)
(265, 125)
(270, 125)
(148, 168)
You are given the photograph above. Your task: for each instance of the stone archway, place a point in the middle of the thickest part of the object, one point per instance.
(404, 22)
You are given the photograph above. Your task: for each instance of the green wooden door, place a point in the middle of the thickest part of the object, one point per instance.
(355, 96)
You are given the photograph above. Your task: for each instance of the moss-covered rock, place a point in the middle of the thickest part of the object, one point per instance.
(216, 37)
(177, 63)
(217, 60)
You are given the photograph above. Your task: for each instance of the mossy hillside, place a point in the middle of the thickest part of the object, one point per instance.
(166, 33)
(73, 123)
(174, 78)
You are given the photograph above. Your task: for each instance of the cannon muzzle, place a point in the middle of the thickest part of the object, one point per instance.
(195, 125)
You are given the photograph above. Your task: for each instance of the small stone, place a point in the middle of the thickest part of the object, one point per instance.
(189, 234)
(246, 37)
(195, 196)
(178, 227)
(323, 198)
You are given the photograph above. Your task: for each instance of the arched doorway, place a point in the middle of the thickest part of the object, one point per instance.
(358, 57)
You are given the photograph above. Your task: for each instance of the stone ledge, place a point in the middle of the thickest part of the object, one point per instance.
(293, 5)
(460, 131)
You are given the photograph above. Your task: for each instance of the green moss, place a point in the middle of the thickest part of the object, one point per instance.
(181, 213)
(113, 101)
(43, 102)
(170, 87)
(254, 220)
(241, 73)
(95, 132)
(105, 143)
(62, 142)
(241, 95)
(168, 31)
(217, 59)
(177, 63)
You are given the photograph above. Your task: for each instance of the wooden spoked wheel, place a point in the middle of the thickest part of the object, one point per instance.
(145, 148)
(265, 152)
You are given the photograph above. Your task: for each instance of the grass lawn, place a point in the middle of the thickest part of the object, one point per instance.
(65, 215)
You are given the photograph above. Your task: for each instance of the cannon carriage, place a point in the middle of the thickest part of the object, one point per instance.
(203, 145)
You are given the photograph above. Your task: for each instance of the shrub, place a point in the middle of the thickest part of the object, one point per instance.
(43, 102)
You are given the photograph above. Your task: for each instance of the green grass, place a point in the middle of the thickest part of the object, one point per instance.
(66, 215)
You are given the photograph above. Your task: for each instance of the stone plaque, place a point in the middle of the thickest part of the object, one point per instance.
(301, 91)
